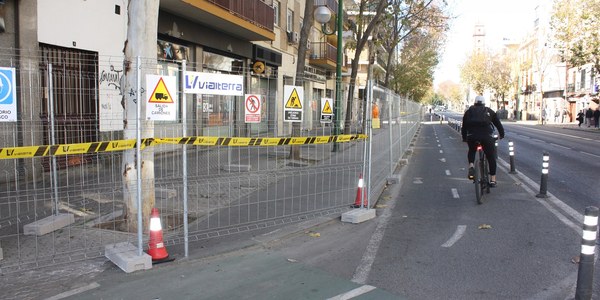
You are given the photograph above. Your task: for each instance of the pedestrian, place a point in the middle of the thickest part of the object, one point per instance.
(589, 116)
(556, 115)
(597, 117)
(580, 117)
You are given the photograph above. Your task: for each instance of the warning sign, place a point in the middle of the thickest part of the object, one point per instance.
(293, 97)
(293, 101)
(253, 108)
(161, 106)
(326, 110)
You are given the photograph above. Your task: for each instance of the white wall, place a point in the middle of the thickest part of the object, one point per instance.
(91, 25)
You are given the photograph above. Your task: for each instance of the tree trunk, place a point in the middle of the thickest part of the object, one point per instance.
(302, 47)
(141, 42)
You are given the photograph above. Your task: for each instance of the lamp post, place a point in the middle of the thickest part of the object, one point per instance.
(323, 15)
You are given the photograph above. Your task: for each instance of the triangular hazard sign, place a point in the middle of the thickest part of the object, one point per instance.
(294, 101)
(327, 108)
(161, 93)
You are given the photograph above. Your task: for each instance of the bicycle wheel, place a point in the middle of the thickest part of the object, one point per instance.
(486, 177)
(477, 180)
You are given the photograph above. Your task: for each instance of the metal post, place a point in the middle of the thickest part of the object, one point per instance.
(52, 136)
(511, 153)
(585, 273)
(544, 180)
(338, 73)
(184, 163)
(138, 152)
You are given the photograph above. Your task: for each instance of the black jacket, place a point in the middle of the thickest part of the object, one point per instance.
(480, 130)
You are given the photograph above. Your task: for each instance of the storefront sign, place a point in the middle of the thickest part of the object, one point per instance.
(213, 84)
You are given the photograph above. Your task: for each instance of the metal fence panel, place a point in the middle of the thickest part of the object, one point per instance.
(218, 190)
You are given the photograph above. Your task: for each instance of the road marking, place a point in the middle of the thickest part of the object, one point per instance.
(441, 151)
(439, 145)
(558, 133)
(448, 172)
(442, 159)
(76, 291)
(545, 201)
(587, 153)
(353, 293)
(455, 193)
(560, 146)
(460, 231)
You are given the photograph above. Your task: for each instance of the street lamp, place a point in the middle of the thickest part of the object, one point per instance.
(323, 15)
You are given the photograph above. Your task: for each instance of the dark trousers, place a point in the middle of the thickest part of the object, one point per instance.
(489, 149)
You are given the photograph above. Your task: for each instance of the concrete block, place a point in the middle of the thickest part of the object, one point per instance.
(48, 224)
(358, 215)
(236, 168)
(125, 256)
(393, 180)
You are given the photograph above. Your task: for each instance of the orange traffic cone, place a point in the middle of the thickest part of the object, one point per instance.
(360, 199)
(156, 247)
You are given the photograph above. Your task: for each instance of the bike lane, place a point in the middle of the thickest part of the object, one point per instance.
(440, 244)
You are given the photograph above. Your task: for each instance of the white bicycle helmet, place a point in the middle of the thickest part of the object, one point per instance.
(480, 99)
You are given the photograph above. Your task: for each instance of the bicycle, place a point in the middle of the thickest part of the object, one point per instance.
(481, 178)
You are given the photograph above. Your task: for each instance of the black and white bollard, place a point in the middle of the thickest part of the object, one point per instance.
(585, 273)
(544, 180)
(511, 154)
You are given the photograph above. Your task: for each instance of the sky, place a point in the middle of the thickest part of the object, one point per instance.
(501, 18)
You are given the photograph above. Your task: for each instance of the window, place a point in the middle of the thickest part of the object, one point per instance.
(276, 12)
(582, 84)
(290, 20)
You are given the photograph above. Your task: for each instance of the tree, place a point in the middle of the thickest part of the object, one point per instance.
(405, 18)
(474, 71)
(575, 27)
(413, 76)
(368, 22)
(141, 42)
(302, 47)
(499, 78)
(452, 92)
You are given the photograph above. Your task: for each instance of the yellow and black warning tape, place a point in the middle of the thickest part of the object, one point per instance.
(121, 145)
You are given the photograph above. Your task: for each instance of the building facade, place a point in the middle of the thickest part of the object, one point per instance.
(84, 41)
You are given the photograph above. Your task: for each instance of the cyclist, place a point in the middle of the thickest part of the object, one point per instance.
(478, 126)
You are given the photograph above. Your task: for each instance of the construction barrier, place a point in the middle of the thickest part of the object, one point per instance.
(121, 145)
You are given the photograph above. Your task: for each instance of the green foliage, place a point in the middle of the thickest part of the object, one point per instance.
(575, 25)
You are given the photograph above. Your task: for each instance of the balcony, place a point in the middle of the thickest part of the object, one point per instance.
(323, 55)
(250, 20)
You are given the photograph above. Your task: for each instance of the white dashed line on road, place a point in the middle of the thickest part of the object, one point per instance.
(455, 193)
(353, 293)
(590, 154)
(448, 173)
(460, 231)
